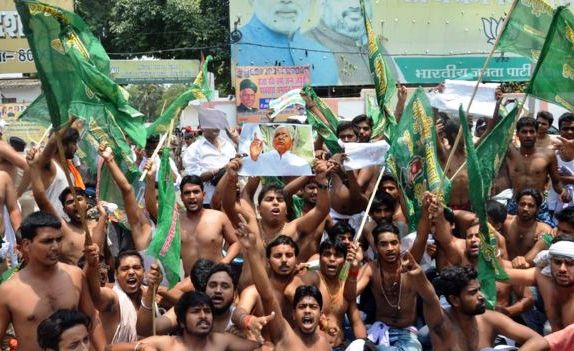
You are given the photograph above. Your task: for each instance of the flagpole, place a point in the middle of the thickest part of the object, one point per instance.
(480, 76)
(88, 240)
(520, 107)
(160, 144)
(345, 270)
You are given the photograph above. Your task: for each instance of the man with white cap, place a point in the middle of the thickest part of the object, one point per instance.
(554, 277)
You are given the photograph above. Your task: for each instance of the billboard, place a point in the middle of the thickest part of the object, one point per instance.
(256, 86)
(15, 54)
(428, 41)
(154, 71)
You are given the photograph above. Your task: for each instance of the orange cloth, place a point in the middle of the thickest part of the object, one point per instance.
(78, 181)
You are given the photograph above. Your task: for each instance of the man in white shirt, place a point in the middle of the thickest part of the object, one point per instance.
(206, 157)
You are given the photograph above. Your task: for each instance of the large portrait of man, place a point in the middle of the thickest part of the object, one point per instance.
(273, 37)
(276, 150)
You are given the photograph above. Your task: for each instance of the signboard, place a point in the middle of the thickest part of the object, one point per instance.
(15, 54)
(257, 86)
(29, 132)
(153, 71)
(428, 40)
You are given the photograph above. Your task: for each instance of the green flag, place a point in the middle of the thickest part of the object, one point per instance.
(385, 85)
(199, 90)
(413, 160)
(488, 267)
(526, 28)
(327, 131)
(166, 243)
(553, 77)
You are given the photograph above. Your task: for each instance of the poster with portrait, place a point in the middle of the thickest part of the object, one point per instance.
(28, 131)
(272, 149)
(255, 87)
(426, 41)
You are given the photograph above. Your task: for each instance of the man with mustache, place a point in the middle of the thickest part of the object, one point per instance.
(554, 278)
(466, 324)
(306, 308)
(44, 285)
(530, 167)
(119, 305)
(394, 292)
(524, 231)
(273, 38)
(220, 287)
(194, 313)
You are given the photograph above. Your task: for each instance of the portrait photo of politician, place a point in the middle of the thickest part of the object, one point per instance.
(273, 37)
(276, 150)
(247, 96)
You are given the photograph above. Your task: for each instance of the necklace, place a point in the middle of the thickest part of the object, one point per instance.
(397, 306)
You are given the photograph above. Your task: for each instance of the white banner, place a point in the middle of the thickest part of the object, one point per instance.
(458, 92)
(361, 155)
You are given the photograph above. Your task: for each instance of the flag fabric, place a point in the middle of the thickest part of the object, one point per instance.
(73, 67)
(526, 28)
(327, 131)
(413, 159)
(553, 77)
(385, 84)
(361, 155)
(292, 97)
(199, 90)
(488, 267)
(166, 243)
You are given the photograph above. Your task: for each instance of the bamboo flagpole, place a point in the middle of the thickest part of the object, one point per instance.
(480, 76)
(345, 270)
(162, 140)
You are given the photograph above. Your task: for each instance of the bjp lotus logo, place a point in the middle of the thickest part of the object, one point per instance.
(491, 26)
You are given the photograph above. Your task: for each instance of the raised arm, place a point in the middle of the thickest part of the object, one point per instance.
(163, 324)
(443, 235)
(140, 227)
(423, 230)
(233, 248)
(8, 153)
(402, 98)
(433, 312)
(86, 305)
(359, 277)
(104, 299)
(35, 162)
(11, 201)
(249, 242)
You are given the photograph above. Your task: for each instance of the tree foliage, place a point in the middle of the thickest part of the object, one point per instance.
(181, 29)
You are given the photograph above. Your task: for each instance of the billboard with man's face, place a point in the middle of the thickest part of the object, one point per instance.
(428, 41)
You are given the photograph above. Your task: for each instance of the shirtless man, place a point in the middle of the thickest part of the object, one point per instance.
(273, 209)
(220, 287)
(390, 186)
(530, 166)
(74, 235)
(544, 120)
(308, 188)
(459, 191)
(332, 257)
(307, 303)
(118, 306)
(44, 285)
(194, 312)
(281, 255)
(394, 292)
(466, 325)
(203, 230)
(555, 282)
(523, 231)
